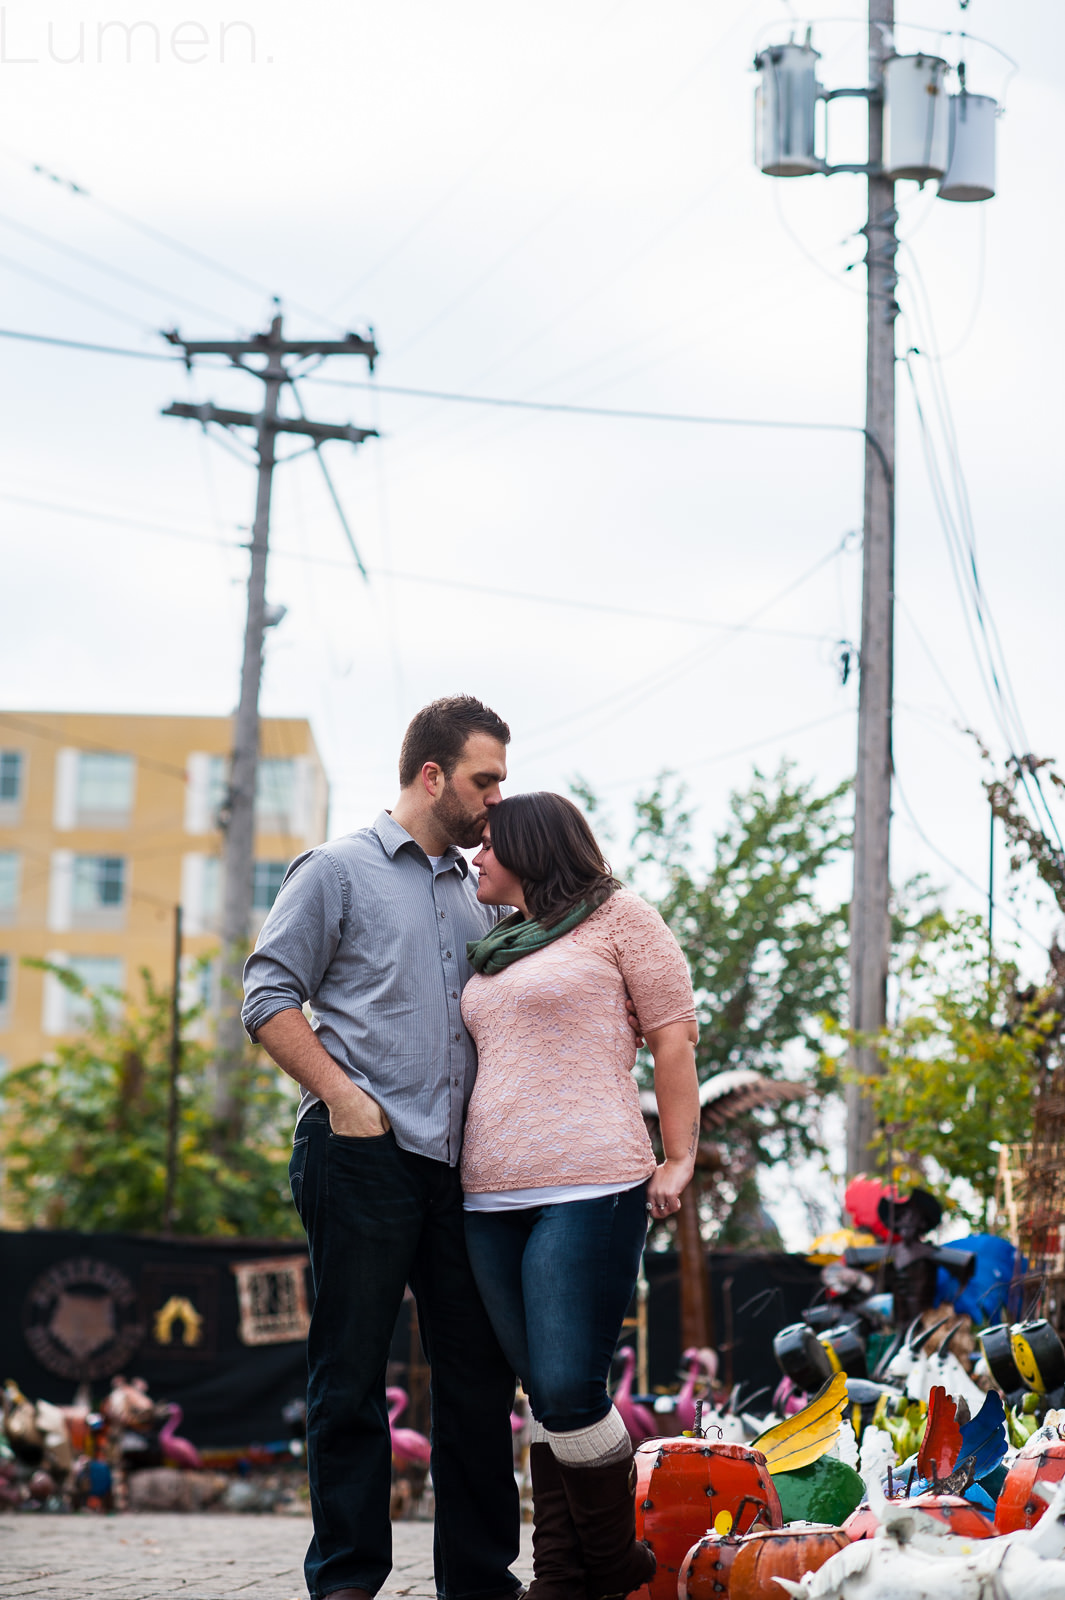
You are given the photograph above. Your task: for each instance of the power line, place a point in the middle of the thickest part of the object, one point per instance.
(35, 275)
(937, 669)
(738, 750)
(962, 551)
(649, 115)
(41, 731)
(122, 521)
(330, 485)
(166, 239)
(490, 149)
(980, 888)
(596, 605)
(624, 699)
(80, 344)
(68, 250)
(622, 414)
(567, 602)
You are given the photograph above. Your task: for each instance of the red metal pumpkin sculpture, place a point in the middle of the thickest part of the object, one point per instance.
(1018, 1505)
(682, 1487)
(861, 1524)
(704, 1574)
(961, 1516)
(781, 1553)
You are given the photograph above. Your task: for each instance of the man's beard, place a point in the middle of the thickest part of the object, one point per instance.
(463, 827)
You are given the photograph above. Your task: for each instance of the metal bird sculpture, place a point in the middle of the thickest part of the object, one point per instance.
(728, 1095)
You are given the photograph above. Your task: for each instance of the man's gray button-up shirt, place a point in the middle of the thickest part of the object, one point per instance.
(374, 937)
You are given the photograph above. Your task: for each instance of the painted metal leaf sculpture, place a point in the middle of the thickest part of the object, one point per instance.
(941, 1444)
(983, 1438)
(806, 1436)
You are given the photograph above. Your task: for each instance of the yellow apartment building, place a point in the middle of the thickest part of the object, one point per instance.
(106, 824)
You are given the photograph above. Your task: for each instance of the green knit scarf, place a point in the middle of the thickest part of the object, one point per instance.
(518, 936)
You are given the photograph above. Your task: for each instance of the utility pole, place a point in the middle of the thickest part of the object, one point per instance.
(173, 1109)
(238, 812)
(870, 923)
(916, 132)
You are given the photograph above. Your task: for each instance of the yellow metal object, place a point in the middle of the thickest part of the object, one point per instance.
(1027, 1366)
(833, 1359)
(828, 1247)
(723, 1522)
(805, 1437)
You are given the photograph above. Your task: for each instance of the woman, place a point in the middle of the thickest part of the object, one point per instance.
(557, 1168)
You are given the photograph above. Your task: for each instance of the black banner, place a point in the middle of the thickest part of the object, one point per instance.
(217, 1326)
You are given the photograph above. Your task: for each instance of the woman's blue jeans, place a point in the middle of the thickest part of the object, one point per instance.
(377, 1218)
(556, 1281)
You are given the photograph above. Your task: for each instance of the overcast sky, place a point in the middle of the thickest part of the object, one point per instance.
(551, 201)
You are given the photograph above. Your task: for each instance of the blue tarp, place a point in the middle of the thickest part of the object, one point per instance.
(985, 1295)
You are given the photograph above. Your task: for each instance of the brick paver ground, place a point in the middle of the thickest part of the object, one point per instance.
(143, 1556)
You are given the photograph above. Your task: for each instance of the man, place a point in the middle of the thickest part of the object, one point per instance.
(371, 929)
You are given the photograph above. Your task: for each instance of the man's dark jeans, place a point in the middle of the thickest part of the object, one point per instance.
(377, 1218)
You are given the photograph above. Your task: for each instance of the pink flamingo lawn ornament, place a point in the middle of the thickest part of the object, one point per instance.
(788, 1401)
(177, 1452)
(701, 1363)
(409, 1447)
(638, 1420)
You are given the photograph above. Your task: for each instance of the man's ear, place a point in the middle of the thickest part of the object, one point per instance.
(432, 779)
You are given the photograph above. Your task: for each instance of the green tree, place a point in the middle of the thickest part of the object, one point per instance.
(767, 952)
(766, 942)
(960, 1063)
(86, 1130)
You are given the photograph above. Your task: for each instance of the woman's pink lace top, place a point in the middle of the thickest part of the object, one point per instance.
(555, 1101)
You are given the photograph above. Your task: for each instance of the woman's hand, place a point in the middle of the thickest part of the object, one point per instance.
(667, 1185)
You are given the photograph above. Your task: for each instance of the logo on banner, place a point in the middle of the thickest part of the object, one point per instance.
(178, 1319)
(81, 1319)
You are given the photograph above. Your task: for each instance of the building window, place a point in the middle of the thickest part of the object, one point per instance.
(266, 883)
(279, 793)
(10, 777)
(5, 985)
(99, 883)
(105, 786)
(212, 890)
(9, 876)
(275, 787)
(69, 1013)
(217, 785)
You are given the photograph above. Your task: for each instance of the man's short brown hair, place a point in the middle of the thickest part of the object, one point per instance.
(438, 732)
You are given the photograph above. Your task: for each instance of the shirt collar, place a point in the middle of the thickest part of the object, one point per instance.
(393, 837)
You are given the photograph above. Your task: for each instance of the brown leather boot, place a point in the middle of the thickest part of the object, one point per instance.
(558, 1571)
(602, 1503)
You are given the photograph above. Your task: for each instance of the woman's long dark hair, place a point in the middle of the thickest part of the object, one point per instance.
(546, 842)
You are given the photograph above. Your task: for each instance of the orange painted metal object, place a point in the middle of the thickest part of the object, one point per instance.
(781, 1553)
(861, 1524)
(705, 1570)
(961, 1516)
(683, 1486)
(1018, 1505)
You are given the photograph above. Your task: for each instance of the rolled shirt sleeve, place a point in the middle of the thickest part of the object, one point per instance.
(297, 942)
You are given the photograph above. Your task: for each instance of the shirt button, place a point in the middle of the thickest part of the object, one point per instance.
(442, 913)
(447, 955)
(454, 994)
(458, 1036)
